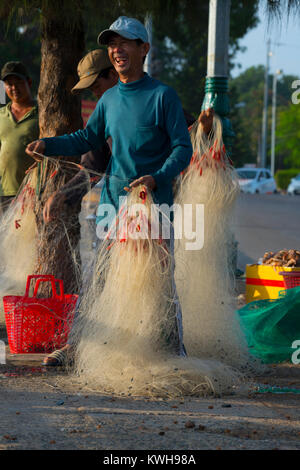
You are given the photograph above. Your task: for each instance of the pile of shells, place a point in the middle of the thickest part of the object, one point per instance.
(285, 258)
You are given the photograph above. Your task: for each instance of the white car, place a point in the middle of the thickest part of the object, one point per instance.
(256, 180)
(294, 186)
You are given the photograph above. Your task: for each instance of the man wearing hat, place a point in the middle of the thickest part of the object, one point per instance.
(91, 69)
(96, 73)
(18, 126)
(144, 118)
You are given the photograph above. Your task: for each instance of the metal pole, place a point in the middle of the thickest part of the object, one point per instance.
(273, 138)
(218, 38)
(216, 87)
(265, 110)
(148, 61)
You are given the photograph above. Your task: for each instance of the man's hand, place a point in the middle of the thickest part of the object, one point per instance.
(206, 119)
(36, 146)
(147, 180)
(53, 206)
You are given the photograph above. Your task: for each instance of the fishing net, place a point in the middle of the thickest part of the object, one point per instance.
(28, 246)
(204, 277)
(272, 326)
(18, 240)
(126, 334)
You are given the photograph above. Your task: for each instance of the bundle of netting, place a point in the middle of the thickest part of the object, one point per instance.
(204, 273)
(126, 336)
(18, 239)
(28, 245)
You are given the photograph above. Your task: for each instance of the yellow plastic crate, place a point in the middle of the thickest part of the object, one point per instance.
(264, 282)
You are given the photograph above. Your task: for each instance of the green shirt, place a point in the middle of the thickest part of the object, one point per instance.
(14, 137)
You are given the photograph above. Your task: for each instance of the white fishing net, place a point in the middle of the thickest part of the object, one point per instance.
(18, 241)
(126, 337)
(205, 277)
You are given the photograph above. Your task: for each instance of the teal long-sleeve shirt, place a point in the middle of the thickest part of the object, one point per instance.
(149, 137)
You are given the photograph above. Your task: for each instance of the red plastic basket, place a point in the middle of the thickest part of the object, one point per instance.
(291, 279)
(39, 325)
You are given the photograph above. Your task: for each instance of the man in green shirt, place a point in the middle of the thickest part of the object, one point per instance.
(18, 127)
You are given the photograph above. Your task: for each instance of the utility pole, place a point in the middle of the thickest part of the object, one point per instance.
(216, 87)
(274, 96)
(148, 61)
(265, 109)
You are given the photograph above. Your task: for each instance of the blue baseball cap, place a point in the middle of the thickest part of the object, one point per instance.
(128, 28)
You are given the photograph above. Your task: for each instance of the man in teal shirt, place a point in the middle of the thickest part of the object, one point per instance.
(144, 118)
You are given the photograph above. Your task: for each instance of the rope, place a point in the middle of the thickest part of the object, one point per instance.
(80, 167)
(37, 189)
(275, 389)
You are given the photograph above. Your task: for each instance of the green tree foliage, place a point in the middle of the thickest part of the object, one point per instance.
(288, 136)
(20, 40)
(283, 177)
(180, 46)
(246, 93)
(277, 9)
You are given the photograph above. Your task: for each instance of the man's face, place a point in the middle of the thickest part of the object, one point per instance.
(102, 84)
(17, 88)
(126, 55)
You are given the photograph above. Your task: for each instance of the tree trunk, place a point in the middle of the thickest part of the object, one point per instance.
(62, 47)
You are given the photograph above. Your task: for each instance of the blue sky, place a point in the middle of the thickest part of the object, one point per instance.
(285, 57)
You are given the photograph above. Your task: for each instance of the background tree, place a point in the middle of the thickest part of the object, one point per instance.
(20, 40)
(181, 46)
(288, 136)
(279, 9)
(247, 91)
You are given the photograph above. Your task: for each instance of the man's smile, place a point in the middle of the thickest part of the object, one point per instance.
(120, 60)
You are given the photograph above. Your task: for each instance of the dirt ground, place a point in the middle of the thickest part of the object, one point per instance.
(48, 409)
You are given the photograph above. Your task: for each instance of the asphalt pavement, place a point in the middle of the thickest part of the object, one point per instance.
(266, 222)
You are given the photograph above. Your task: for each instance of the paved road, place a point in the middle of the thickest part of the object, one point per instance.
(266, 222)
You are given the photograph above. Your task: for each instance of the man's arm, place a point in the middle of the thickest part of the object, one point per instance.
(77, 143)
